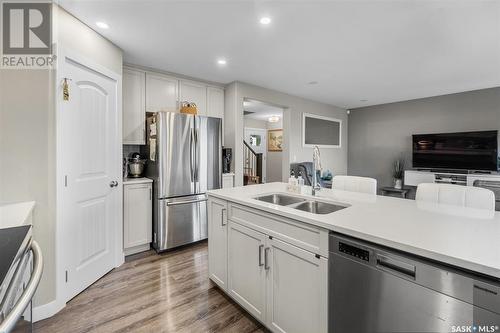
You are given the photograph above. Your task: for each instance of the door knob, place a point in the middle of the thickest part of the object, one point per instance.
(114, 183)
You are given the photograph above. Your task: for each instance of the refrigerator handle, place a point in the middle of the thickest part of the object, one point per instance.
(191, 153)
(196, 149)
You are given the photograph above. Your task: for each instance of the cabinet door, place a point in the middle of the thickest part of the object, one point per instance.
(247, 278)
(137, 206)
(196, 93)
(215, 102)
(227, 181)
(134, 107)
(296, 289)
(161, 93)
(215, 105)
(217, 242)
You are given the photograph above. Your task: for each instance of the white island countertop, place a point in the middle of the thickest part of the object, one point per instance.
(16, 214)
(463, 237)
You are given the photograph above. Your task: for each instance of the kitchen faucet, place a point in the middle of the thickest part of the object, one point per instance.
(316, 186)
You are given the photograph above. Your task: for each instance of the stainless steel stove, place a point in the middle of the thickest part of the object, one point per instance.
(20, 273)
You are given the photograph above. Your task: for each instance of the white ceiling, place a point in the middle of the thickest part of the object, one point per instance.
(261, 111)
(379, 51)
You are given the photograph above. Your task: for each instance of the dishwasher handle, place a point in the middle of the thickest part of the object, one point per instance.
(398, 266)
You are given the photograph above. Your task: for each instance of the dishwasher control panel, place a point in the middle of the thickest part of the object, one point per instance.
(354, 251)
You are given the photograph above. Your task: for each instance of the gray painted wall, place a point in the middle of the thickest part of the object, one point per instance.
(254, 123)
(275, 158)
(378, 134)
(333, 159)
(28, 137)
(27, 165)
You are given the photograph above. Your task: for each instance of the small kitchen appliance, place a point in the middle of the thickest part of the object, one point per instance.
(135, 165)
(227, 155)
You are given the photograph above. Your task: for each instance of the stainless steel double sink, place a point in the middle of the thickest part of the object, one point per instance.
(306, 205)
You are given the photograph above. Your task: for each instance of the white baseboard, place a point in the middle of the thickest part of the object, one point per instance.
(47, 310)
(136, 249)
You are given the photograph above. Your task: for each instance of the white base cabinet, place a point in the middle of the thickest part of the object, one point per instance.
(227, 180)
(137, 217)
(246, 271)
(297, 294)
(217, 242)
(280, 283)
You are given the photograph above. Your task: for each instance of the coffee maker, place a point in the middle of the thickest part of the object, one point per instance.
(227, 155)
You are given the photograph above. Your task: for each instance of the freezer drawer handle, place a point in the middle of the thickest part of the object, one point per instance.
(185, 202)
(396, 265)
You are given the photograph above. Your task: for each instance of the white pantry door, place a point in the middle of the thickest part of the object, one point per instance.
(92, 168)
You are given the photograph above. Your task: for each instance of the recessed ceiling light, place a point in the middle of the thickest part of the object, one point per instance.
(265, 20)
(312, 82)
(102, 25)
(222, 61)
(273, 119)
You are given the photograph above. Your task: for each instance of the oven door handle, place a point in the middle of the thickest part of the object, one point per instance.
(13, 316)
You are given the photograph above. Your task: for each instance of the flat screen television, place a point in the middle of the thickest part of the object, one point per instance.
(457, 151)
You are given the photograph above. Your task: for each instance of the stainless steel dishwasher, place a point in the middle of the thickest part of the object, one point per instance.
(375, 289)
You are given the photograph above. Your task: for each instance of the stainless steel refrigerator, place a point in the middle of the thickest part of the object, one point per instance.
(184, 160)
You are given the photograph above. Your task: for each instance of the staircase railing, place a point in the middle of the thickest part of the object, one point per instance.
(252, 168)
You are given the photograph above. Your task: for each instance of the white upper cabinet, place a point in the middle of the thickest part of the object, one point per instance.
(196, 93)
(134, 111)
(161, 93)
(215, 102)
(215, 105)
(145, 91)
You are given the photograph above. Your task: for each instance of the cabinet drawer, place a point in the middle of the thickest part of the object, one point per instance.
(307, 237)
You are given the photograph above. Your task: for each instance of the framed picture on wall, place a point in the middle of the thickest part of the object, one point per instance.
(321, 131)
(275, 140)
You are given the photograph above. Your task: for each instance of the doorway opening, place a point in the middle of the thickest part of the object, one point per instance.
(262, 142)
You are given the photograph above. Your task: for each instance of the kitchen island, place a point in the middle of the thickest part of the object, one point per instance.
(273, 258)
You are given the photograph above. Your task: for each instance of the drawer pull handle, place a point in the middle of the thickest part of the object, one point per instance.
(260, 255)
(223, 217)
(266, 259)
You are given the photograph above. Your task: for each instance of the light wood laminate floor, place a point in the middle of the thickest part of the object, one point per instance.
(154, 293)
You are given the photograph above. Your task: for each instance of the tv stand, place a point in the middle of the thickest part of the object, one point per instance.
(415, 177)
(478, 172)
(455, 172)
